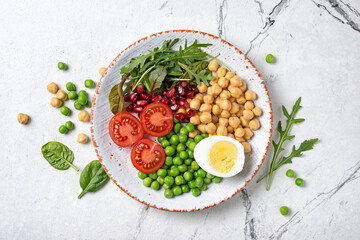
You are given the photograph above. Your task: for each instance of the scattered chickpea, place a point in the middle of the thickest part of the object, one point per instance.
(254, 124)
(193, 133)
(205, 117)
(205, 107)
(225, 105)
(221, 72)
(241, 100)
(225, 114)
(230, 129)
(181, 110)
(214, 119)
(231, 135)
(248, 133)
(202, 127)
(231, 87)
(216, 109)
(213, 66)
(195, 120)
(55, 102)
(235, 92)
(23, 118)
(229, 75)
(244, 122)
(234, 122)
(217, 89)
(218, 101)
(202, 87)
(240, 139)
(198, 96)
(249, 105)
(61, 94)
(223, 122)
(247, 146)
(210, 128)
(102, 70)
(257, 111)
(208, 99)
(250, 95)
(211, 91)
(83, 116)
(236, 81)
(243, 86)
(223, 82)
(215, 81)
(189, 99)
(234, 107)
(232, 99)
(225, 94)
(248, 114)
(195, 104)
(52, 87)
(239, 132)
(221, 130)
(82, 138)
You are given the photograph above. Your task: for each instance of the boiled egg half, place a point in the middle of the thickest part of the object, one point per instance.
(220, 156)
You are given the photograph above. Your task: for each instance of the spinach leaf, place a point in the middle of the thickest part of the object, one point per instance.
(58, 155)
(92, 177)
(157, 76)
(116, 97)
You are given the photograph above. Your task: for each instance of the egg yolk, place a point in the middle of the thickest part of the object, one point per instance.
(223, 156)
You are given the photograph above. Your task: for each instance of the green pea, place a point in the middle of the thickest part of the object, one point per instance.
(196, 174)
(82, 93)
(208, 175)
(165, 166)
(65, 110)
(173, 166)
(155, 185)
(177, 190)
(299, 182)
(191, 153)
(166, 186)
(69, 125)
(203, 187)
(142, 175)
(188, 176)
(82, 100)
(63, 129)
(169, 180)
(183, 168)
(180, 147)
(174, 139)
(62, 66)
(201, 173)
(199, 181)
(89, 83)
(192, 184)
(185, 188)
(88, 104)
(194, 165)
(207, 180)
(192, 146)
(177, 127)
(179, 180)
(153, 175)
(168, 193)
(191, 170)
(184, 131)
(189, 127)
(176, 120)
(190, 140)
(177, 153)
(183, 138)
(188, 161)
(147, 182)
(169, 150)
(216, 179)
(174, 172)
(77, 105)
(160, 139)
(72, 95)
(284, 210)
(177, 161)
(160, 180)
(161, 172)
(168, 161)
(290, 173)
(195, 192)
(198, 138)
(204, 135)
(168, 136)
(184, 155)
(165, 143)
(269, 58)
(70, 86)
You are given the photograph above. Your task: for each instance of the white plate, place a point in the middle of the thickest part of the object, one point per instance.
(116, 161)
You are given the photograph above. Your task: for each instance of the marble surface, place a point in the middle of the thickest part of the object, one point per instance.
(317, 48)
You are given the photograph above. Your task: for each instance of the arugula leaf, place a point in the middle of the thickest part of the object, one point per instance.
(201, 76)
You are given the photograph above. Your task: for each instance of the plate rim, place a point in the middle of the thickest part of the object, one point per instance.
(97, 92)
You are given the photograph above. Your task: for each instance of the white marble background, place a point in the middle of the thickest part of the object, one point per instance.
(317, 47)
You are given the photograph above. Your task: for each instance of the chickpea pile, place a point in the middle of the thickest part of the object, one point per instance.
(226, 107)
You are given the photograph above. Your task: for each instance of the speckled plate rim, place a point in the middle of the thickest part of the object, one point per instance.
(97, 92)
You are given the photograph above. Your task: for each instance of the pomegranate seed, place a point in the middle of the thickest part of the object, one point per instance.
(190, 94)
(181, 90)
(140, 88)
(188, 88)
(138, 109)
(144, 96)
(170, 93)
(183, 84)
(131, 107)
(195, 89)
(180, 116)
(184, 120)
(190, 113)
(141, 103)
(127, 97)
(156, 98)
(174, 107)
(165, 100)
(134, 97)
(172, 101)
(183, 103)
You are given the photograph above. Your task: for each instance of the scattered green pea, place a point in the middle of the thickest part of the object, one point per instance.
(207, 180)
(176, 120)
(72, 95)
(63, 129)
(160, 139)
(177, 190)
(89, 83)
(290, 173)
(65, 110)
(208, 175)
(181, 147)
(189, 127)
(216, 179)
(166, 186)
(174, 172)
(169, 180)
(155, 185)
(179, 180)
(192, 184)
(194, 165)
(153, 175)
(174, 139)
(183, 138)
(182, 168)
(184, 131)
(269, 58)
(168, 136)
(199, 181)
(77, 105)
(177, 127)
(204, 135)
(185, 188)
(184, 155)
(165, 143)
(177, 161)
(195, 192)
(299, 182)
(188, 161)
(191, 153)
(82, 93)
(203, 187)
(169, 151)
(168, 161)
(88, 104)
(188, 176)
(62, 66)
(70, 86)
(201, 173)
(161, 172)
(82, 100)
(168, 193)
(69, 125)
(142, 175)
(160, 180)
(198, 138)
(284, 210)
(192, 146)
(147, 182)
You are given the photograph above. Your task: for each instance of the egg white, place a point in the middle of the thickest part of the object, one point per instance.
(202, 150)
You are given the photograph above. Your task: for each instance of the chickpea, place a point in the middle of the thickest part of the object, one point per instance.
(208, 99)
(205, 117)
(234, 122)
(210, 128)
(23, 118)
(82, 138)
(202, 87)
(247, 146)
(216, 109)
(216, 78)
(215, 81)
(232, 99)
(211, 91)
(193, 134)
(217, 89)
(248, 133)
(225, 114)
(195, 104)
(223, 82)
(213, 66)
(243, 86)
(240, 139)
(210, 135)
(229, 75)
(244, 122)
(221, 72)
(257, 111)
(233, 115)
(231, 87)
(240, 112)
(248, 114)
(189, 100)
(214, 119)
(249, 105)
(83, 116)
(52, 87)
(181, 110)
(241, 100)
(223, 122)
(221, 131)
(254, 124)
(205, 107)
(231, 135)
(234, 107)
(201, 127)
(55, 102)
(199, 96)
(61, 94)
(225, 94)
(250, 95)
(218, 100)
(225, 105)
(239, 132)
(195, 120)
(236, 81)
(102, 70)
(230, 129)
(235, 92)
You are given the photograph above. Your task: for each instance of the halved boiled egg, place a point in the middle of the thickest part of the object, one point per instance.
(220, 156)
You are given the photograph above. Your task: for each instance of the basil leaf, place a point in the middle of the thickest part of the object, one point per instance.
(92, 177)
(157, 76)
(58, 155)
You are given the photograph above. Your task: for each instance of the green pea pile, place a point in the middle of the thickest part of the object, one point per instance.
(180, 172)
(66, 127)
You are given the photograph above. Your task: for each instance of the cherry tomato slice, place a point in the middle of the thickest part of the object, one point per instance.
(147, 156)
(125, 129)
(156, 119)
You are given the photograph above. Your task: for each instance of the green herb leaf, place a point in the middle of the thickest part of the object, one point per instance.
(92, 177)
(58, 155)
(157, 76)
(116, 97)
(199, 77)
